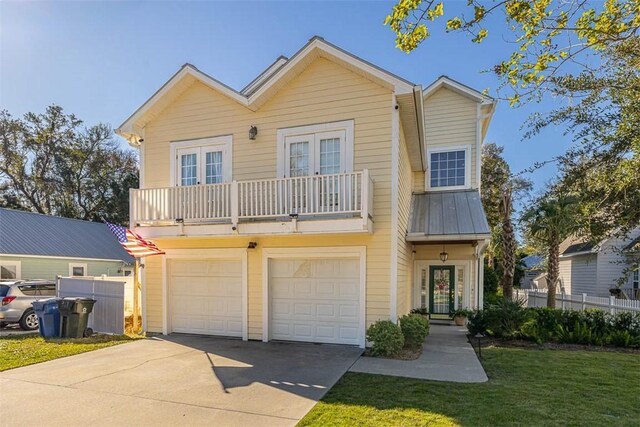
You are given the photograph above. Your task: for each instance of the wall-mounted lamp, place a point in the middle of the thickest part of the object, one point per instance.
(444, 256)
(252, 245)
(253, 132)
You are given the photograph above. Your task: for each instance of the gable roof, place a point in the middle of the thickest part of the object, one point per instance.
(456, 86)
(28, 233)
(533, 262)
(447, 215)
(263, 87)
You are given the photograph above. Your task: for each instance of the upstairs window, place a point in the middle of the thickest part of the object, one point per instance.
(449, 169)
(636, 279)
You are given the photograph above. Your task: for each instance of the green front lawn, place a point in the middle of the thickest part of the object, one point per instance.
(16, 351)
(526, 387)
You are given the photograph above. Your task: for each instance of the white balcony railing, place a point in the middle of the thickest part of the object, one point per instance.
(344, 194)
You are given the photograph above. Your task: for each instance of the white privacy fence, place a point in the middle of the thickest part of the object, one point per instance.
(538, 298)
(110, 293)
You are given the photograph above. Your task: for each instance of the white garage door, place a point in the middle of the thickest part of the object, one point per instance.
(315, 300)
(206, 297)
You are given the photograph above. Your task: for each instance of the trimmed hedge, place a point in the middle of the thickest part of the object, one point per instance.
(386, 337)
(509, 320)
(415, 328)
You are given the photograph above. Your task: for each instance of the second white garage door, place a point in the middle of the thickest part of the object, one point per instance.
(206, 297)
(315, 300)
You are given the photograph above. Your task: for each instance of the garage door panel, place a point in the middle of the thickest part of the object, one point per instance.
(206, 297)
(315, 300)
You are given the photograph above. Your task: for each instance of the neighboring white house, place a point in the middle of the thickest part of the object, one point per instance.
(594, 269)
(533, 267)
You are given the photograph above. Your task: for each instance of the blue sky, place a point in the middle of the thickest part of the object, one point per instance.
(102, 60)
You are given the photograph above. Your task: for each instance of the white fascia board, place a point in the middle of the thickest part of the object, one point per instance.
(455, 86)
(400, 85)
(421, 237)
(127, 128)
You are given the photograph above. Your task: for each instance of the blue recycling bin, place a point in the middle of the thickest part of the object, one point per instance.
(48, 317)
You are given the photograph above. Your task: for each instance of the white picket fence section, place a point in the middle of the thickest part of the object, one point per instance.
(109, 310)
(538, 298)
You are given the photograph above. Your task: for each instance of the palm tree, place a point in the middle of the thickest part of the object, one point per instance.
(548, 222)
(514, 188)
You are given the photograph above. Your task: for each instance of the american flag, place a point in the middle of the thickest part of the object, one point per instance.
(132, 243)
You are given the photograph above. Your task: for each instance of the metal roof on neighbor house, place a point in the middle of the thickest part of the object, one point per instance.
(533, 262)
(27, 233)
(577, 248)
(447, 215)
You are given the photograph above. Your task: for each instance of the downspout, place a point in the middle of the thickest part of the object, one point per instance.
(479, 302)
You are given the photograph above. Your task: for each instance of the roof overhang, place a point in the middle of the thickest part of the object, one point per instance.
(262, 89)
(447, 216)
(411, 107)
(438, 238)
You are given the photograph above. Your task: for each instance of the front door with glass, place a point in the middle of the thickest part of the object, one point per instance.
(441, 290)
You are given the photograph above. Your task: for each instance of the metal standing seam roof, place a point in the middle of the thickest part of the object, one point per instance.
(578, 248)
(27, 233)
(447, 214)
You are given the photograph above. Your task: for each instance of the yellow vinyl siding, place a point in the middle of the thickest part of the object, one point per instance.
(323, 92)
(404, 248)
(451, 120)
(153, 292)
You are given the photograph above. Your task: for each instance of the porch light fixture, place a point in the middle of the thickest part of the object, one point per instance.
(444, 256)
(253, 132)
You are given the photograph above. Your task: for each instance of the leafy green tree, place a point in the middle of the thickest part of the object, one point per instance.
(547, 35)
(51, 164)
(499, 189)
(550, 220)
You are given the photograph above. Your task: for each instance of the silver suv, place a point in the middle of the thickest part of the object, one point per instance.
(16, 298)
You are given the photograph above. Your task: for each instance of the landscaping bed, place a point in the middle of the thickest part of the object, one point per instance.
(527, 386)
(26, 350)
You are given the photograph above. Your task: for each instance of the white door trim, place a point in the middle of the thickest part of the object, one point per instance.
(223, 143)
(421, 263)
(238, 254)
(359, 252)
(347, 126)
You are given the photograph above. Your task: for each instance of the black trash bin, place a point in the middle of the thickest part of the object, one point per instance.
(74, 316)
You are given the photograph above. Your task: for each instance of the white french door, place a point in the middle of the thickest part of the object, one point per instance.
(321, 153)
(201, 165)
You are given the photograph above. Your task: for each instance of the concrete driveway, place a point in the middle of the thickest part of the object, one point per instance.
(178, 380)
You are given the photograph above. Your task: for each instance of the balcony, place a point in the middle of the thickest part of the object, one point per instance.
(308, 204)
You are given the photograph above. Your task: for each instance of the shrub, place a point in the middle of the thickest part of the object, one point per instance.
(490, 285)
(477, 322)
(421, 311)
(415, 329)
(386, 337)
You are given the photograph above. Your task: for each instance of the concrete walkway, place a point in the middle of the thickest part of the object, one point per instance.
(446, 356)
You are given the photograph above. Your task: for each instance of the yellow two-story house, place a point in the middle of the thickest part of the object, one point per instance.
(325, 195)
